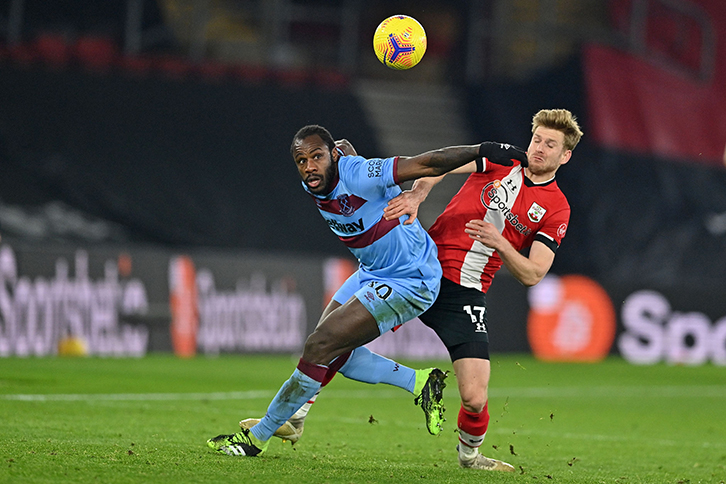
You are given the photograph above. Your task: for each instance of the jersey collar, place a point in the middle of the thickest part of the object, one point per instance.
(530, 183)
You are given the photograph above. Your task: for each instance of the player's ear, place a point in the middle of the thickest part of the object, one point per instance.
(336, 154)
(566, 157)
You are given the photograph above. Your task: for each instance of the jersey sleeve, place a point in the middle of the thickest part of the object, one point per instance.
(480, 165)
(368, 176)
(554, 229)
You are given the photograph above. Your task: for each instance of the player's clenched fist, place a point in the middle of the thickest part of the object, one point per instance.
(502, 153)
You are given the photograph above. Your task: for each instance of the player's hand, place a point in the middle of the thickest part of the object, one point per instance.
(345, 147)
(485, 233)
(405, 204)
(502, 153)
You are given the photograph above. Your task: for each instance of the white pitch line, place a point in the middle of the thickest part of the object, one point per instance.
(672, 391)
(75, 397)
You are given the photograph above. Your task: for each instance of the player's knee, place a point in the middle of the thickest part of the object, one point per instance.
(474, 401)
(321, 348)
(473, 406)
(314, 349)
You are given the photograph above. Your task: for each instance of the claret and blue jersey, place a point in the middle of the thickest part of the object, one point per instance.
(354, 212)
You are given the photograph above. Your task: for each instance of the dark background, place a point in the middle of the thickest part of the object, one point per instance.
(162, 146)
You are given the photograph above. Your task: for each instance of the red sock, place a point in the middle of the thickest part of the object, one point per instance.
(334, 366)
(316, 372)
(474, 425)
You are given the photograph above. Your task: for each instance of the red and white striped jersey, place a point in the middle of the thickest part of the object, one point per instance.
(522, 211)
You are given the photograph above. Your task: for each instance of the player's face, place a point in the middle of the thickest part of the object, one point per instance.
(547, 151)
(317, 165)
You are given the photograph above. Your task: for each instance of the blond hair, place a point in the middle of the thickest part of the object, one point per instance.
(560, 120)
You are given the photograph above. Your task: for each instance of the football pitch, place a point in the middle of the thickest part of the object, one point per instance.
(147, 420)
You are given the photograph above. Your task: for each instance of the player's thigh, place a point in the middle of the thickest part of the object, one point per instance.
(332, 306)
(344, 294)
(345, 328)
(348, 288)
(389, 302)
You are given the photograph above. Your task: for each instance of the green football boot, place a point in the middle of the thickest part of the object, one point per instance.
(242, 444)
(429, 394)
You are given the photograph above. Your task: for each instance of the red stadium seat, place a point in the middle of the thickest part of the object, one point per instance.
(96, 53)
(53, 48)
(212, 71)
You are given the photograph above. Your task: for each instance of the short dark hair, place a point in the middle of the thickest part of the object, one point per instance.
(310, 130)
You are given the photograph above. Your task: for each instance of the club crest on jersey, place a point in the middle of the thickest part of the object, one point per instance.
(536, 212)
(346, 208)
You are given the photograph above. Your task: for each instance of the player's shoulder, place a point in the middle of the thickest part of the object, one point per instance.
(558, 198)
(556, 193)
(349, 160)
(353, 162)
(360, 167)
(559, 193)
(549, 192)
(348, 165)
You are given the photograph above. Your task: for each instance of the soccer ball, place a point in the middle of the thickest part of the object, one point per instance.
(399, 42)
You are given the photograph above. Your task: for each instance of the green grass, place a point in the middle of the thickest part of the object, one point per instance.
(147, 420)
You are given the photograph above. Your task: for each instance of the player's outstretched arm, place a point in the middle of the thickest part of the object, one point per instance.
(439, 162)
(407, 203)
(436, 162)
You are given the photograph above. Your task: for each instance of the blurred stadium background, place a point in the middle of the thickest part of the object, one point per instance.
(148, 201)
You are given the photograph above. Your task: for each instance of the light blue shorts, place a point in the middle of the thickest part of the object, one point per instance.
(392, 302)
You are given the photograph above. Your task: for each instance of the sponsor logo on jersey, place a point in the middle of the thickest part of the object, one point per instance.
(561, 230)
(536, 212)
(350, 228)
(375, 168)
(494, 196)
(491, 197)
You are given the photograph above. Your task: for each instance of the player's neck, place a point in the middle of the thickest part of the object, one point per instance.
(540, 178)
